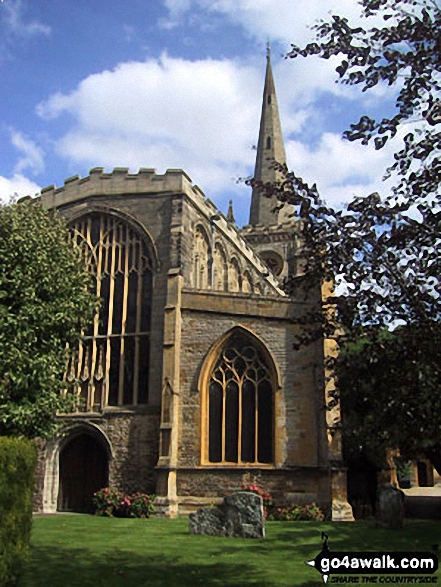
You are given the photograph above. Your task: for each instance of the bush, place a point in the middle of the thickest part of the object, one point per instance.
(112, 502)
(297, 513)
(17, 469)
(292, 513)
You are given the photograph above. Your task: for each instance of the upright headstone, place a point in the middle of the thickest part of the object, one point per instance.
(390, 506)
(240, 515)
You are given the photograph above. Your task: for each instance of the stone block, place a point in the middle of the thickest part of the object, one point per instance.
(240, 516)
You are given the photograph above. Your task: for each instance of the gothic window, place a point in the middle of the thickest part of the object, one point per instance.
(219, 269)
(201, 258)
(247, 284)
(111, 363)
(240, 405)
(233, 276)
(268, 142)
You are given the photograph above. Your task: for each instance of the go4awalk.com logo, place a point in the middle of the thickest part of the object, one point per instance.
(375, 567)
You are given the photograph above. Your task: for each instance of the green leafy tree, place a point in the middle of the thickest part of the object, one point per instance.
(404, 52)
(44, 304)
(383, 252)
(390, 396)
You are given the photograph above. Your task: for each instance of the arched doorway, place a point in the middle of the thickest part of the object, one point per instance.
(84, 468)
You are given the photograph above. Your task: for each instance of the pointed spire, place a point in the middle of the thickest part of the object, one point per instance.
(270, 148)
(230, 215)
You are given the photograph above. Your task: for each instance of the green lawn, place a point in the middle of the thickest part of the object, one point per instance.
(87, 551)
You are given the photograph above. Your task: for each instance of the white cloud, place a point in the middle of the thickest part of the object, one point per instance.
(16, 186)
(16, 24)
(287, 21)
(202, 116)
(32, 155)
(341, 169)
(176, 9)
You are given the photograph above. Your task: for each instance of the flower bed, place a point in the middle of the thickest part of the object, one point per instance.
(112, 502)
(308, 512)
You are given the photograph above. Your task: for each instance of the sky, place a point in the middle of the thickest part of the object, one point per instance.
(176, 84)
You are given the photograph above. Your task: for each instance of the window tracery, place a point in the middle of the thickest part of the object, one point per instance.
(112, 361)
(240, 405)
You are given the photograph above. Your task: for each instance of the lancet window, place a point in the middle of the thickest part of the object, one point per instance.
(240, 405)
(219, 269)
(247, 284)
(201, 258)
(233, 276)
(112, 362)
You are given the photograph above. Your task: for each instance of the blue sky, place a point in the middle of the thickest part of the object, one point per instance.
(174, 84)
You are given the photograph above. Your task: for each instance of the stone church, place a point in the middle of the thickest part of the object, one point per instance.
(190, 382)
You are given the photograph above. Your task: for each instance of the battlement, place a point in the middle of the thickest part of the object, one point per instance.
(119, 181)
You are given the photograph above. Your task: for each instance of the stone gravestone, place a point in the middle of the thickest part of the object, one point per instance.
(391, 506)
(240, 515)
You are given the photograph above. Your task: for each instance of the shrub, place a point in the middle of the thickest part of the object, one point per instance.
(112, 502)
(17, 469)
(293, 513)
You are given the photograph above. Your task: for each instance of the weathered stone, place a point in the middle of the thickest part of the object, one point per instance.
(240, 516)
(210, 287)
(391, 506)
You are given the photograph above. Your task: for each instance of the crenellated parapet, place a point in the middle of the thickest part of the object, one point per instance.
(119, 181)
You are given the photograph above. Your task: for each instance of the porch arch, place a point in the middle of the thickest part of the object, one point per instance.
(76, 465)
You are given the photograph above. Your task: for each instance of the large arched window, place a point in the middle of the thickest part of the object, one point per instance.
(112, 362)
(240, 404)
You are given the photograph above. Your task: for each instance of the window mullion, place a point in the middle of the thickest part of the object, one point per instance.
(123, 326)
(224, 402)
(256, 425)
(110, 312)
(93, 365)
(138, 323)
(239, 436)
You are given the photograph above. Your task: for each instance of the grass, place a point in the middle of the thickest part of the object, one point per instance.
(87, 551)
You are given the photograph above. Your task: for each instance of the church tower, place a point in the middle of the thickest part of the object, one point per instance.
(271, 230)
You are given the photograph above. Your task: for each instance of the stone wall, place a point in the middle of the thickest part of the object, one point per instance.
(130, 438)
(300, 415)
(287, 486)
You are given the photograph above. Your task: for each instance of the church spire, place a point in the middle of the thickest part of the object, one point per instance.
(270, 148)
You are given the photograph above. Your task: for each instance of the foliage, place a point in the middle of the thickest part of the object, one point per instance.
(292, 513)
(112, 502)
(382, 252)
(390, 394)
(404, 471)
(17, 468)
(404, 50)
(44, 303)
(297, 513)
